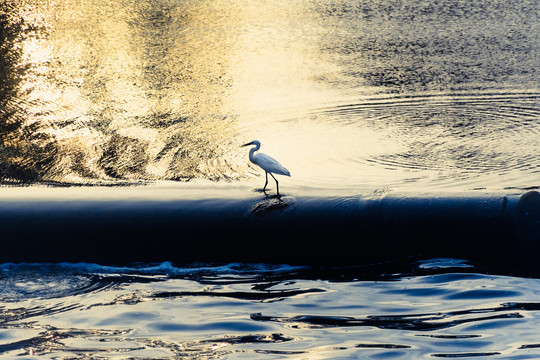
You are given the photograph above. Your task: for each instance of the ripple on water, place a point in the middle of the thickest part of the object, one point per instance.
(159, 311)
(26, 285)
(459, 141)
(49, 281)
(482, 294)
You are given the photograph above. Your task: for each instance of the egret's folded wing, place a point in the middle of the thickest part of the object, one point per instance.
(270, 164)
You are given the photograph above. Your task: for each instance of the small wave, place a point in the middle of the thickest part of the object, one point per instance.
(410, 322)
(49, 281)
(163, 268)
(51, 339)
(25, 285)
(443, 263)
(58, 279)
(25, 313)
(435, 100)
(466, 355)
(467, 139)
(266, 296)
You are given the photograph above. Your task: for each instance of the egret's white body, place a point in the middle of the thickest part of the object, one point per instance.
(267, 163)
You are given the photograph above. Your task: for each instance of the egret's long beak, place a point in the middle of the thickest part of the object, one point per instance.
(250, 143)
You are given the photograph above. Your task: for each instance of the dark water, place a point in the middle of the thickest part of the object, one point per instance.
(433, 308)
(408, 94)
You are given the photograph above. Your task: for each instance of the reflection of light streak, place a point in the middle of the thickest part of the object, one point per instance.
(275, 57)
(218, 346)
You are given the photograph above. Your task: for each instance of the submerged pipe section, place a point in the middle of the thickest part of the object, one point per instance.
(305, 230)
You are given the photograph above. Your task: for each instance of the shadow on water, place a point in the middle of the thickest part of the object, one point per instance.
(272, 204)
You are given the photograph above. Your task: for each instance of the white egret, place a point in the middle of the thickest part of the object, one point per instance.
(267, 163)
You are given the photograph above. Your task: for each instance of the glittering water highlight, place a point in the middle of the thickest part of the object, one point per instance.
(438, 308)
(345, 94)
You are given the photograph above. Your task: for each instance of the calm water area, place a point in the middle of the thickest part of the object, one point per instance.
(351, 96)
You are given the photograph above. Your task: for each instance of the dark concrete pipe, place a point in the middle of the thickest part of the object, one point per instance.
(304, 230)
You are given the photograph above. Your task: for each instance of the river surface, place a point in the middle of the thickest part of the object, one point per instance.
(431, 308)
(345, 94)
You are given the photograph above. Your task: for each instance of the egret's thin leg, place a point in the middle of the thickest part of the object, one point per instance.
(277, 185)
(266, 183)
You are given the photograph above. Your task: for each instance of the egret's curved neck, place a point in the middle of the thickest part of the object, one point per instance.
(252, 153)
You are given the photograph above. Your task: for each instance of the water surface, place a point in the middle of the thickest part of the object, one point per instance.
(433, 308)
(346, 94)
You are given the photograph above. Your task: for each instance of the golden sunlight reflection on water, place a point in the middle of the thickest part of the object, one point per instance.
(150, 86)
(343, 96)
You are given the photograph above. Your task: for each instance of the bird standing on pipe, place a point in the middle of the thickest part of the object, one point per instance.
(267, 163)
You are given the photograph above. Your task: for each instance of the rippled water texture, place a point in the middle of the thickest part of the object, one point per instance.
(439, 308)
(411, 94)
